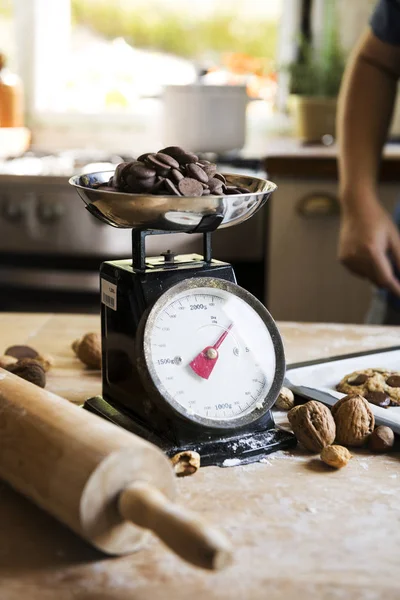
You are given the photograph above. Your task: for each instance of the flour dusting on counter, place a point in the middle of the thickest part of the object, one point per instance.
(363, 464)
(231, 462)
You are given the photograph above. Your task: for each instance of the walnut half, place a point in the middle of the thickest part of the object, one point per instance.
(335, 456)
(285, 400)
(186, 463)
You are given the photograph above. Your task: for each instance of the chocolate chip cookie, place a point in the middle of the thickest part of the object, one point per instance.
(378, 386)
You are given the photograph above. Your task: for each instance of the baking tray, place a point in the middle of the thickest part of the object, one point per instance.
(317, 379)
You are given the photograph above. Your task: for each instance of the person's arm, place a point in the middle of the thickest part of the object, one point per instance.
(365, 108)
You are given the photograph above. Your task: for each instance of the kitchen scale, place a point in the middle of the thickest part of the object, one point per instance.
(191, 361)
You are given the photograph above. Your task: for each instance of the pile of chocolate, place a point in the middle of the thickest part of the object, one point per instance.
(172, 171)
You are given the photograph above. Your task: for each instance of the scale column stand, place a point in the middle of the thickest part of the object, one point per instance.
(139, 247)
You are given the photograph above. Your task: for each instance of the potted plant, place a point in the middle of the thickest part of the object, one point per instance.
(315, 80)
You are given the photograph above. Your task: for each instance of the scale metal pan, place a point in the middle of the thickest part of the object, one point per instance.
(171, 213)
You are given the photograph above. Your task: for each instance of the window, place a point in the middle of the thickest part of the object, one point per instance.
(146, 45)
(7, 33)
(94, 70)
(97, 56)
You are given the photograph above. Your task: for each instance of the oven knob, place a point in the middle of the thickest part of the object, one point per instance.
(49, 212)
(14, 211)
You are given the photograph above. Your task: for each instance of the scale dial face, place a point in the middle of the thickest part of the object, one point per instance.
(213, 352)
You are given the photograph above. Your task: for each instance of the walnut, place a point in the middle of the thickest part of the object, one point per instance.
(381, 439)
(354, 420)
(6, 361)
(335, 456)
(29, 369)
(313, 425)
(294, 410)
(186, 463)
(285, 400)
(88, 350)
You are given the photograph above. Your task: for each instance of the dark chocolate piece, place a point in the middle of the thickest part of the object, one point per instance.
(219, 176)
(393, 381)
(358, 380)
(139, 170)
(117, 179)
(173, 151)
(170, 187)
(180, 155)
(196, 172)
(21, 352)
(186, 158)
(215, 186)
(190, 187)
(160, 167)
(167, 160)
(143, 157)
(378, 398)
(176, 175)
(146, 184)
(210, 169)
(159, 187)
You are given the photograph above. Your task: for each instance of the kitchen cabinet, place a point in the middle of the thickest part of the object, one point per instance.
(304, 280)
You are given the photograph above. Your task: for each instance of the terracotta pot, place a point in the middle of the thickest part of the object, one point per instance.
(313, 117)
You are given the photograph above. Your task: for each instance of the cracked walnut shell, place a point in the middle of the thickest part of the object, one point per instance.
(186, 463)
(313, 425)
(285, 400)
(354, 420)
(335, 456)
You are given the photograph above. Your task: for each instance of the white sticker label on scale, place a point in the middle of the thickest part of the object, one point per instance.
(109, 294)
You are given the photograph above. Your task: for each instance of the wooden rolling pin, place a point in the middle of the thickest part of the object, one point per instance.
(105, 483)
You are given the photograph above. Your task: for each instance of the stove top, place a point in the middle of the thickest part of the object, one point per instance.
(51, 248)
(62, 164)
(73, 162)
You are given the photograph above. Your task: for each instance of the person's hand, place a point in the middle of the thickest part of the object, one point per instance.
(368, 237)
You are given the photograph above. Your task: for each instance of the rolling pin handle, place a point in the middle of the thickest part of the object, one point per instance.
(180, 529)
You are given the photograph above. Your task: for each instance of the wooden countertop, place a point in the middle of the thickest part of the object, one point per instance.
(300, 531)
(289, 158)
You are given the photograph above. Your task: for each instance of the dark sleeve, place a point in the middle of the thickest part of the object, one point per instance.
(385, 21)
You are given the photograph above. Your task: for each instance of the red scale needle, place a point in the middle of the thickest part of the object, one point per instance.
(205, 361)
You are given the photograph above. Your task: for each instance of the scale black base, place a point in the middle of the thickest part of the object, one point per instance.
(227, 451)
(167, 311)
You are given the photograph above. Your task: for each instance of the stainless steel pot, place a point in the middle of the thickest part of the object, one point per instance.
(205, 118)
